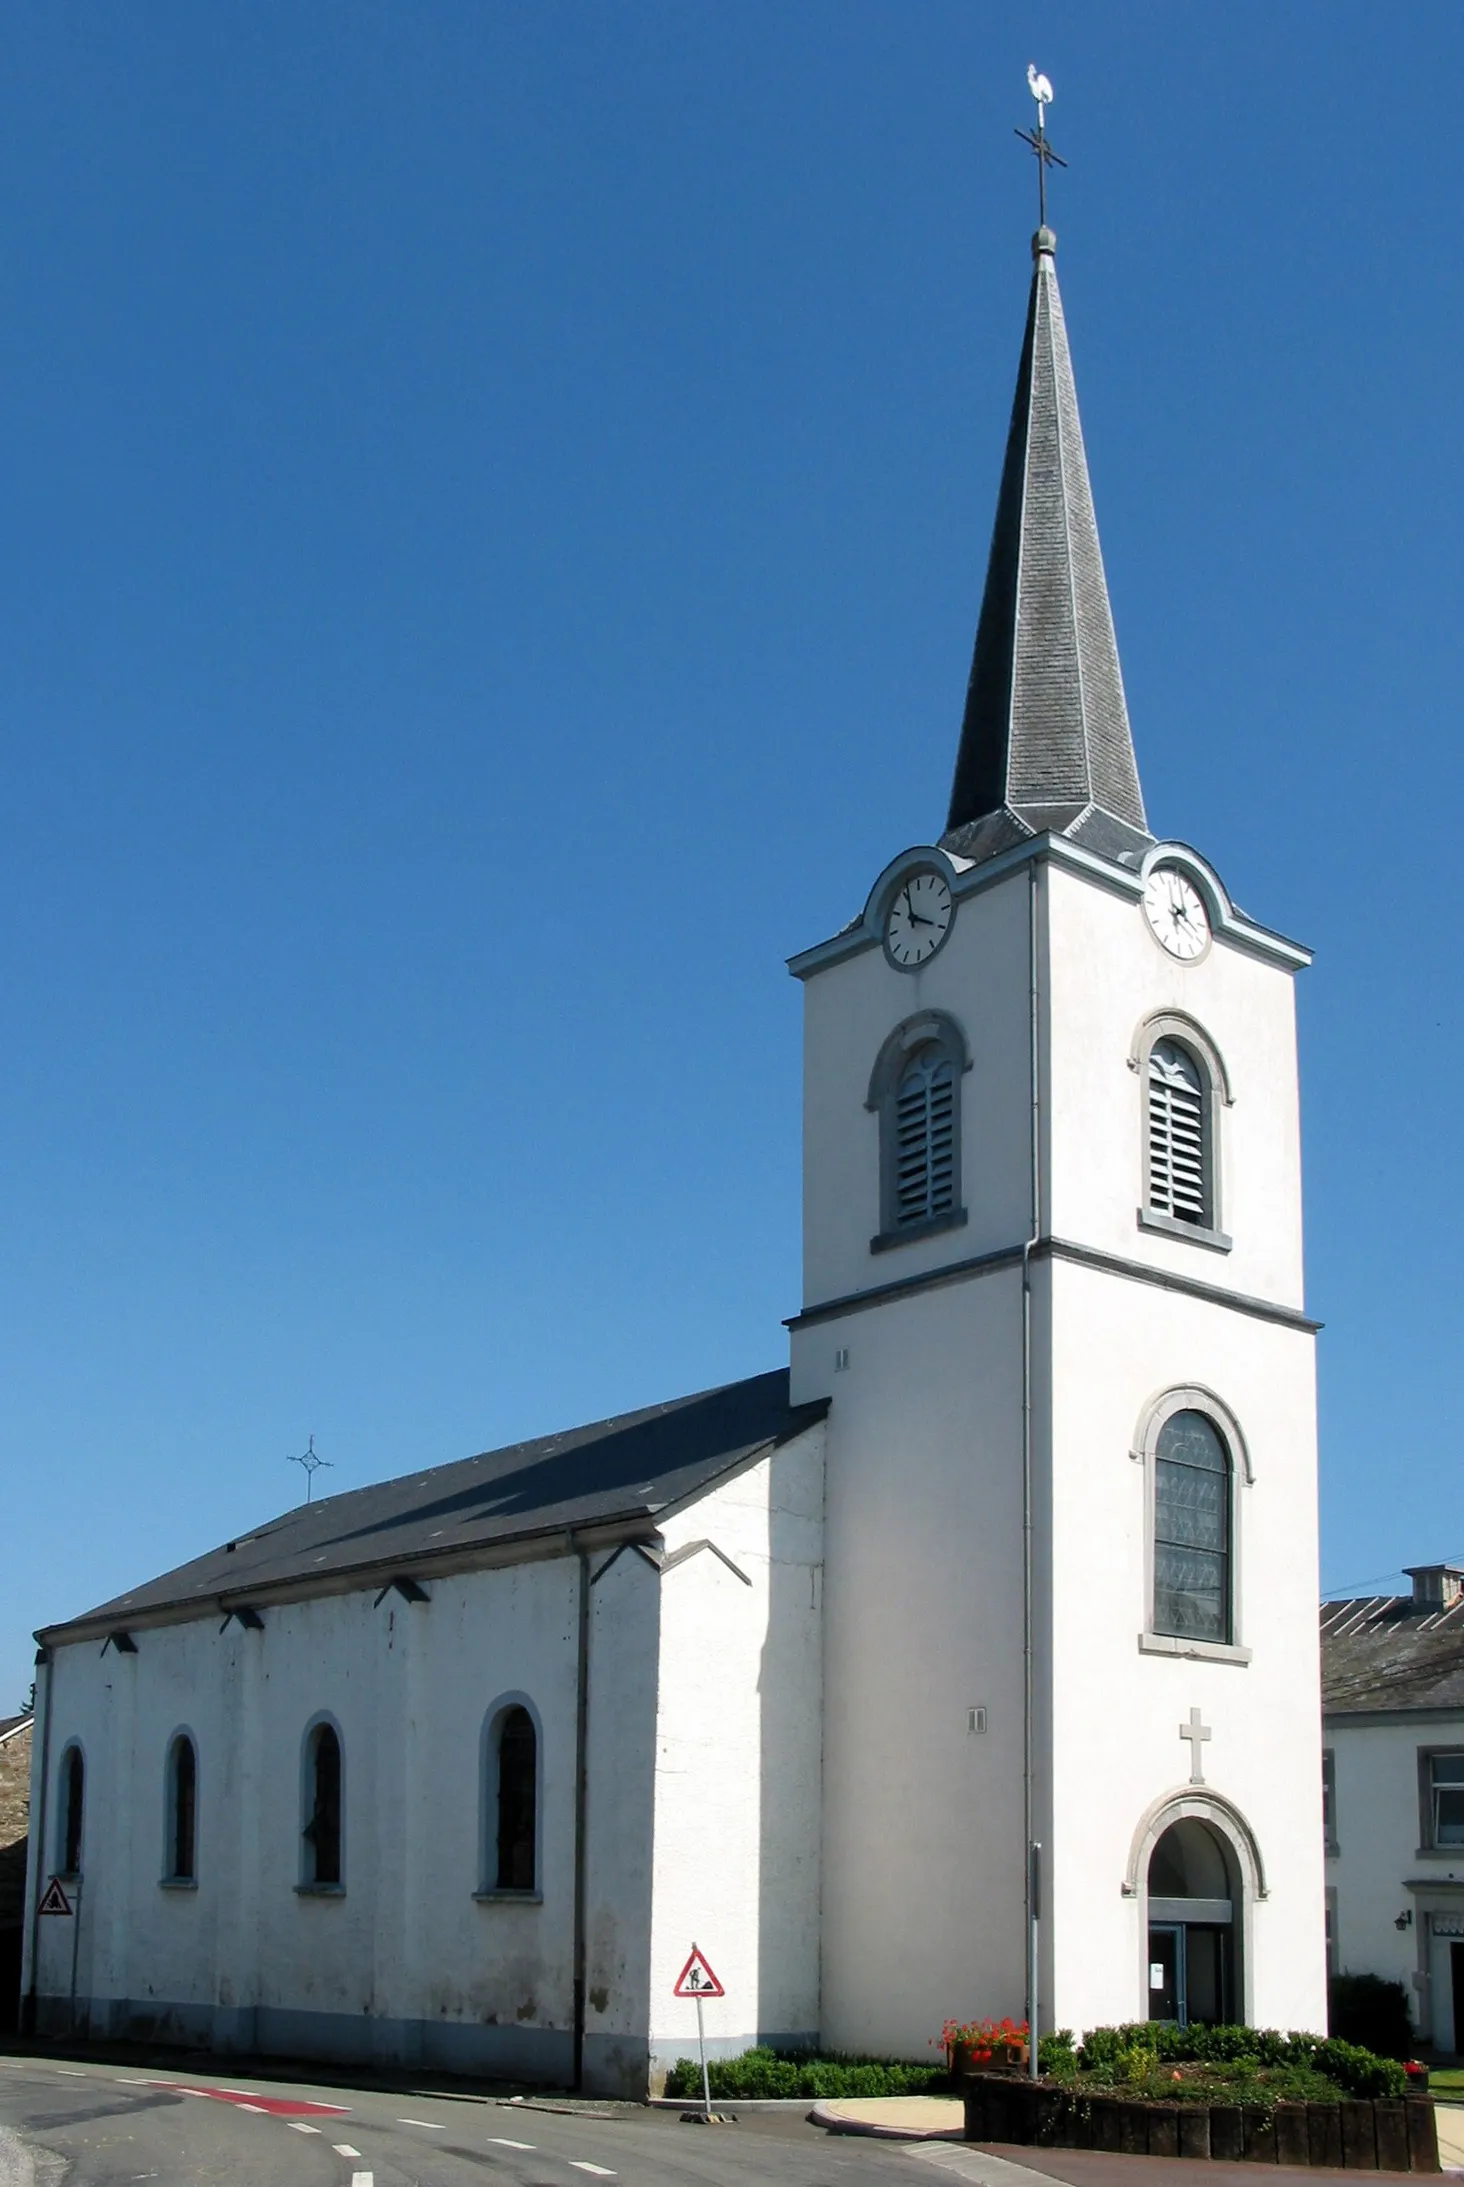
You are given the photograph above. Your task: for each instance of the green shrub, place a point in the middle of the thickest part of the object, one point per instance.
(762, 2074)
(1366, 2009)
(1141, 2051)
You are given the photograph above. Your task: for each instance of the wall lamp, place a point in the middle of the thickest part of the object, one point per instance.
(1405, 1919)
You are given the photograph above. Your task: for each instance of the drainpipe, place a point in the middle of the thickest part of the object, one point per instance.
(581, 1793)
(1033, 1851)
(45, 1664)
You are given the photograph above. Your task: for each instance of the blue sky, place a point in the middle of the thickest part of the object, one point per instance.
(493, 504)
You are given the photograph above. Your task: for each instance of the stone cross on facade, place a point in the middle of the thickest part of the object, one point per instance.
(1196, 1733)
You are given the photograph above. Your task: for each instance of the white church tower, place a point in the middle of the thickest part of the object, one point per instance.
(1053, 1286)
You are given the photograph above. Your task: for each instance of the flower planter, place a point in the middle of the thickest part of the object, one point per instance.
(1390, 2134)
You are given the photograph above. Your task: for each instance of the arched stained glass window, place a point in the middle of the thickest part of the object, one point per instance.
(73, 1809)
(518, 1802)
(1192, 1498)
(322, 1831)
(182, 1810)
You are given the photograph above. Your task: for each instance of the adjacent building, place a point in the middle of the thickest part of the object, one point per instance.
(1393, 1803)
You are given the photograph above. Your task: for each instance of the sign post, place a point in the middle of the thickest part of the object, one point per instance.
(697, 1980)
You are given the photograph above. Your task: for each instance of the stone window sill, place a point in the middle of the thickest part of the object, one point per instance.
(1194, 1651)
(177, 1883)
(929, 1227)
(1453, 1854)
(320, 1890)
(509, 1898)
(1169, 1226)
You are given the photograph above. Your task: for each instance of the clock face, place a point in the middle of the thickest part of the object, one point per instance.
(1176, 912)
(918, 919)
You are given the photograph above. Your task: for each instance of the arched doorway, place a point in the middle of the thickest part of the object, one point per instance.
(1194, 1902)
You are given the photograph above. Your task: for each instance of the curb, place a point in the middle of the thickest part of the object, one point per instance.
(835, 2123)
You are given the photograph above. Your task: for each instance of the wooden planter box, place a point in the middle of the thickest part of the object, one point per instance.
(1389, 2135)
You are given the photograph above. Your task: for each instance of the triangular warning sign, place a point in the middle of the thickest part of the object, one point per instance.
(696, 1978)
(54, 1899)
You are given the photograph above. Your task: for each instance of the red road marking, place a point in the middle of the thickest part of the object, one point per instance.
(279, 2107)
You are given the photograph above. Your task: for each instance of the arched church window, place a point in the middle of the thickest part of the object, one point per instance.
(322, 1831)
(1178, 1156)
(73, 1808)
(916, 1092)
(182, 1850)
(1185, 1090)
(517, 1758)
(1192, 1529)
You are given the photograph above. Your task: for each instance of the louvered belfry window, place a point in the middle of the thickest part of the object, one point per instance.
(1179, 1164)
(925, 1138)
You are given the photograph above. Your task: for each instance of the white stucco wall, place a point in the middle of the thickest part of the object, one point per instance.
(406, 1962)
(739, 1759)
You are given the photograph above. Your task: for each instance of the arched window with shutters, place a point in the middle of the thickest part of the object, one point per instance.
(915, 1091)
(1184, 1091)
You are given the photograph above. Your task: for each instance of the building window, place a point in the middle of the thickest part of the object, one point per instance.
(1192, 1496)
(1178, 1155)
(1185, 1090)
(515, 1751)
(322, 1831)
(73, 1807)
(916, 1092)
(182, 1853)
(1446, 1799)
(1329, 1799)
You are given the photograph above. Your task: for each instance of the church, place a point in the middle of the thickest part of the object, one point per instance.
(965, 1665)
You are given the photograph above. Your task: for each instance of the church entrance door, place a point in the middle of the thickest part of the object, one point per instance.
(1192, 1896)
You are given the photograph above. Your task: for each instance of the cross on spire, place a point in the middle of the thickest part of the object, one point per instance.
(1197, 1733)
(1040, 87)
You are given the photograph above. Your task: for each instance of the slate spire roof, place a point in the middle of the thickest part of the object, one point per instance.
(1045, 743)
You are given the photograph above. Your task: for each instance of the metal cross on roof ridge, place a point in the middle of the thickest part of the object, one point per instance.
(1040, 87)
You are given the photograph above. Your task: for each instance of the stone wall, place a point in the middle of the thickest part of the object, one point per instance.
(15, 1764)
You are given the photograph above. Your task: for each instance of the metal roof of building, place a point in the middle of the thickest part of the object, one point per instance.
(617, 1472)
(1045, 743)
(1386, 1652)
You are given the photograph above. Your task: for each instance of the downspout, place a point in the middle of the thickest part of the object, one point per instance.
(581, 1800)
(1032, 1851)
(45, 1661)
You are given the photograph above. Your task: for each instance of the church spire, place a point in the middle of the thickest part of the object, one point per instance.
(1045, 742)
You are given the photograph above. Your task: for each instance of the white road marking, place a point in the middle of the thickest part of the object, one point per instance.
(73, 2073)
(300, 2126)
(257, 2107)
(504, 2143)
(601, 2171)
(430, 2124)
(360, 2179)
(123, 2082)
(344, 2149)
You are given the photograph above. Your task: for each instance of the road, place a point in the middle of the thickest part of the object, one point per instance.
(108, 2125)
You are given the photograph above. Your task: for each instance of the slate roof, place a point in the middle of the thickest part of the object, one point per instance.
(620, 1471)
(1045, 743)
(1384, 1652)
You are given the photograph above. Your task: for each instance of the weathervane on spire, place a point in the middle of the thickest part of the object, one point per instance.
(1040, 87)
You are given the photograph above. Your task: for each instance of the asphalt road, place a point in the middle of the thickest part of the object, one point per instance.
(99, 2124)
